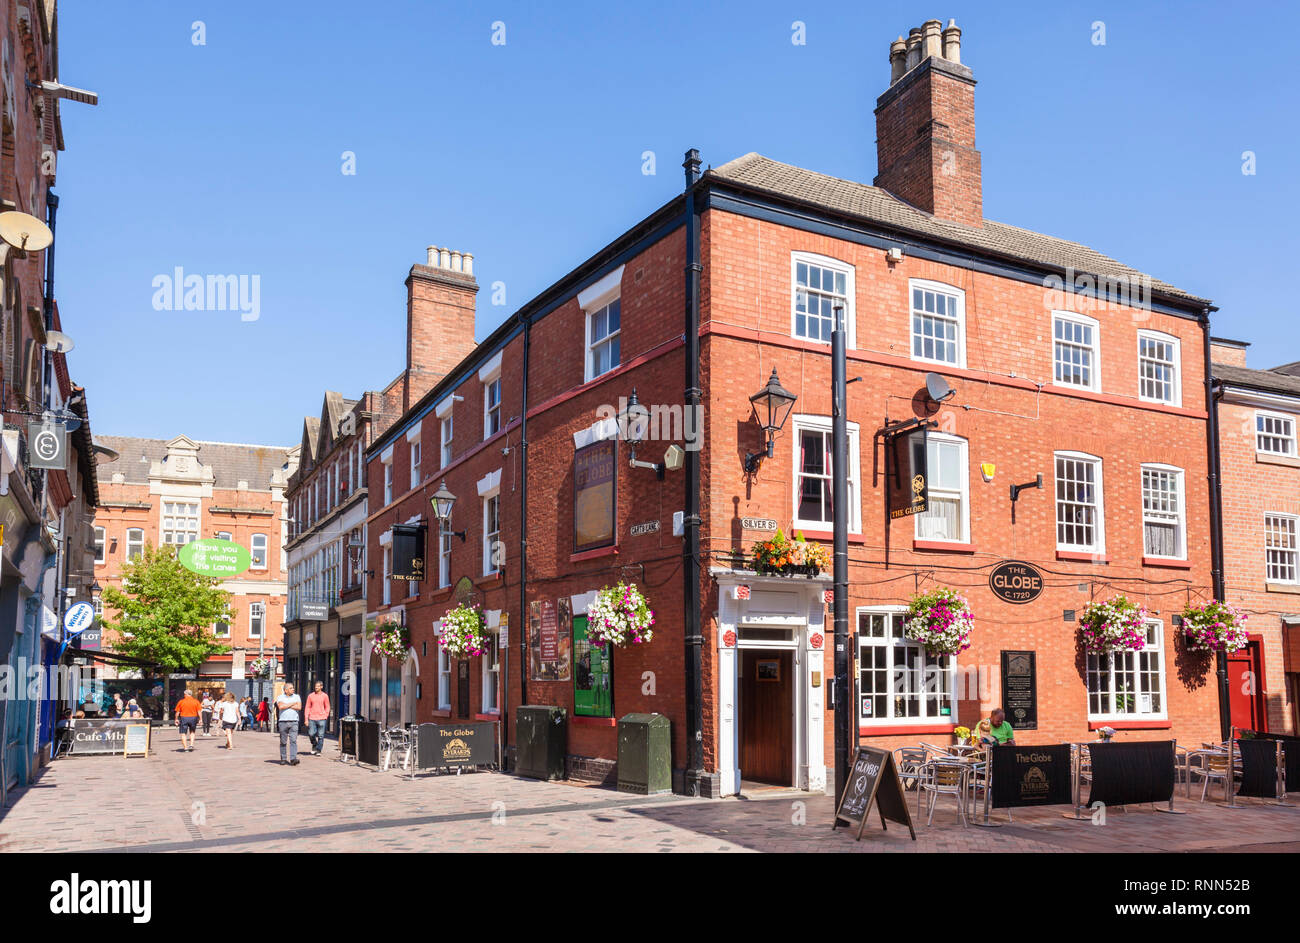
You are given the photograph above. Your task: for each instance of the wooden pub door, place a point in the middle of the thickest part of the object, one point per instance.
(1246, 689)
(767, 716)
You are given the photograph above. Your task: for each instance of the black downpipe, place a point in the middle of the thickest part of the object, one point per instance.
(1216, 518)
(523, 528)
(691, 555)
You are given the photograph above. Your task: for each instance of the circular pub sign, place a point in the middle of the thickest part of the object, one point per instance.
(1016, 582)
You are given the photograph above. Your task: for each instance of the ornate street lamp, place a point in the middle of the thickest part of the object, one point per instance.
(771, 405)
(443, 501)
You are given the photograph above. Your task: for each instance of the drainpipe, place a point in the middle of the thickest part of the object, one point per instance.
(1216, 517)
(694, 772)
(523, 544)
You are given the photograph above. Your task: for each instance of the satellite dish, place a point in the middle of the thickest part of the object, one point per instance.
(24, 231)
(937, 387)
(57, 342)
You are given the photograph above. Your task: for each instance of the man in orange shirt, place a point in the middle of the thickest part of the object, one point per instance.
(187, 719)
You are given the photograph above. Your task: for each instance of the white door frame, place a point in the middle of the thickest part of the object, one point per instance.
(774, 602)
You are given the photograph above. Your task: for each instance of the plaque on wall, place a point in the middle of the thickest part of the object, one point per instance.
(1020, 689)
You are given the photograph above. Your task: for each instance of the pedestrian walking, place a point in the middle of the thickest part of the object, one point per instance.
(318, 715)
(264, 715)
(288, 711)
(245, 714)
(229, 711)
(206, 707)
(187, 719)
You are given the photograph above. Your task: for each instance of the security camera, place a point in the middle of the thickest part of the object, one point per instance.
(674, 458)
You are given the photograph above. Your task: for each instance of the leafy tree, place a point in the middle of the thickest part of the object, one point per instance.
(165, 611)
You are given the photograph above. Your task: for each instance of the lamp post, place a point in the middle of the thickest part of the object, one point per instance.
(443, 501)
(771, 405)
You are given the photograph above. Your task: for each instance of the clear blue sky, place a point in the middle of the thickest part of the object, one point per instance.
(226, 159)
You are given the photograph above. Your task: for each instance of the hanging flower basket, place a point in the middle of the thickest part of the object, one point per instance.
(779, 555)
(260, 668)
(393, 641)
(1113, 626)
(461, 632)
(1214, 626)
(941, 621)
(620, 615)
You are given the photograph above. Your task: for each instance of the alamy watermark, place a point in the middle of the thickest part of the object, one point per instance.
(181, 292)
(653, 422)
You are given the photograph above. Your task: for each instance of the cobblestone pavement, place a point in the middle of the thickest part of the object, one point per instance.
(244, 800)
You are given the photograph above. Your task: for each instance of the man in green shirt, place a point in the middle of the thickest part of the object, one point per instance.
(1000, 730)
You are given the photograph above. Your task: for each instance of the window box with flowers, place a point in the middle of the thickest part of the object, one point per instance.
(1214, 626)
(941, 621)
(1117, 625)
(781, 556)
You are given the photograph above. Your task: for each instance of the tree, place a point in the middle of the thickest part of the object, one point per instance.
(165, 611)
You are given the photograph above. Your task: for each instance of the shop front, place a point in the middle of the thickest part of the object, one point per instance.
(772, 681)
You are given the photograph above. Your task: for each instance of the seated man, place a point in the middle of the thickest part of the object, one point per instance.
(998, 731)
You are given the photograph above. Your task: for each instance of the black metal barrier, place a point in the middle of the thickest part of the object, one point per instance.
(1261, 769)
(368, 742)
(1132, 772)
(1029, 776)
(444, 746)
(1290, 756)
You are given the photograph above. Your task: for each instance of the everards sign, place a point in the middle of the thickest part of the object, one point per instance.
(215, 557)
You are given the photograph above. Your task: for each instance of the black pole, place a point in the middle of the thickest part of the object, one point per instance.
(523, 539)
(691, 551)
(840, 524)
(1216, 519)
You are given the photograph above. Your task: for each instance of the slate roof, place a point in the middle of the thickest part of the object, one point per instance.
(230, 462)
(1268, 381)
(872, 204)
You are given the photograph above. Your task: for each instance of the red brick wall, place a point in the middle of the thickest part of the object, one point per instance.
(439, 327)
(1006, 419)
(1253, 485)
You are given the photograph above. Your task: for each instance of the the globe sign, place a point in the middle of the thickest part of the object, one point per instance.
(215, 557)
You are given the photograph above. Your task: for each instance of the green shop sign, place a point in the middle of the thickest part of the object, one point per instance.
(215, 557)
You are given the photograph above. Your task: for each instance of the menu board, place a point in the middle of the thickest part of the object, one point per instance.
(873, 777)
(548, 639)
(137, 740)
(1020, 689)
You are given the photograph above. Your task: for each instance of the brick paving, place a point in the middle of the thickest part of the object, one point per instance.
(243, 800)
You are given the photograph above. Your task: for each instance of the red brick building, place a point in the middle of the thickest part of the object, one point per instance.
(171, 492)
(1259, 467)
(1065, 364)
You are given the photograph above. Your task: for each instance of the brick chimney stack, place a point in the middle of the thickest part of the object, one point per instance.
(925, 126)
(439, 319)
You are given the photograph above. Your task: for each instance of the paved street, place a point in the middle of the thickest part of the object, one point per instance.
(243, 800)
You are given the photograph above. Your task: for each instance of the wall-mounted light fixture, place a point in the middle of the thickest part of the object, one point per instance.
(771, 406)
(443, 501)
(633, 425)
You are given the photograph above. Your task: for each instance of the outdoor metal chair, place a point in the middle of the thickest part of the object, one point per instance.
(945, 779)
(909, 761)
(1213, 767)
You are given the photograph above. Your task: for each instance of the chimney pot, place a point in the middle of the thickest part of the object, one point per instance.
(897, 59)
(444, 255)
(455, 261)
(952, 42)
(913, 48)
(433, 256)
(932, 41)
(468, 260)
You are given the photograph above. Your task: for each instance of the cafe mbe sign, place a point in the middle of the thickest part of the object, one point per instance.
(1016, 582)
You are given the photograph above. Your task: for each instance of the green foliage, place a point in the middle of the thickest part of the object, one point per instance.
(166, 611)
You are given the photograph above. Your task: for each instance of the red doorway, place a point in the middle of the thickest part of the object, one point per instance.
(1246, 688)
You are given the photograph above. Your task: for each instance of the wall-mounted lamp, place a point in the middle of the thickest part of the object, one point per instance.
(1016, 489)
(633, 424)
(771, 405)
(443, 501)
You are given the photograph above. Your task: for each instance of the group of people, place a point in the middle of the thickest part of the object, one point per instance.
(244, 713)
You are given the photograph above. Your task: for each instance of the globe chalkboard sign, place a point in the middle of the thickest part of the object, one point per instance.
(873, 777)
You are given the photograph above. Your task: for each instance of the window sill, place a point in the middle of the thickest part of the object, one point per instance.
(1082, 557)
(485, 582)
(892, 730)
(1266, 458)
(436, 595)
(947, 546)
(593, 554)
(1158, 724)
(584, 721)
(442, 712)
(1291, 588)
(810, 534)
(1167, 562)
(489, 715)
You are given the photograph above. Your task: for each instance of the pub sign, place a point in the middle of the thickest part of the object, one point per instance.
(408, 552)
